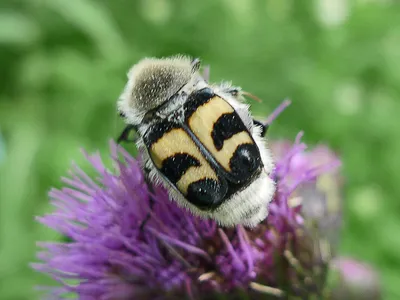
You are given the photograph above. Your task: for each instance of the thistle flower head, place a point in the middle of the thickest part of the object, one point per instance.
(179, 256)
(354, 280)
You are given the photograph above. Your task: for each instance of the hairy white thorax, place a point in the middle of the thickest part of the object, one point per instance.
(154, 82)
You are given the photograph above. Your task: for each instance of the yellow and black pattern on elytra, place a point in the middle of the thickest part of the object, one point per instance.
(208, 155)
(222, 132)
(182, 163)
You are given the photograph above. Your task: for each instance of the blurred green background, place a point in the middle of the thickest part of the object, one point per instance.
(64, 63)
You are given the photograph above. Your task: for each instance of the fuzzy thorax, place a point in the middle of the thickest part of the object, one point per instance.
(151, 82)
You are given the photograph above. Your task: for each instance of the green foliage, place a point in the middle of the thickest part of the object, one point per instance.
(63, 65)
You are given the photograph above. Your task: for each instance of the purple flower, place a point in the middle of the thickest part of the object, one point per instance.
(179, 256)
(355, 280)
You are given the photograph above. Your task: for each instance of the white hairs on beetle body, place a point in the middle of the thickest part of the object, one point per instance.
(232, 211)
(151, 82)
(248, 206)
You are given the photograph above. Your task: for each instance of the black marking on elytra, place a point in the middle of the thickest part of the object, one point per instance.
(234, 178)
(197, 99)
(175, 166)
(157, 130)
(206, 194)
(245, 161)
(225, 127)
(264, 127)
